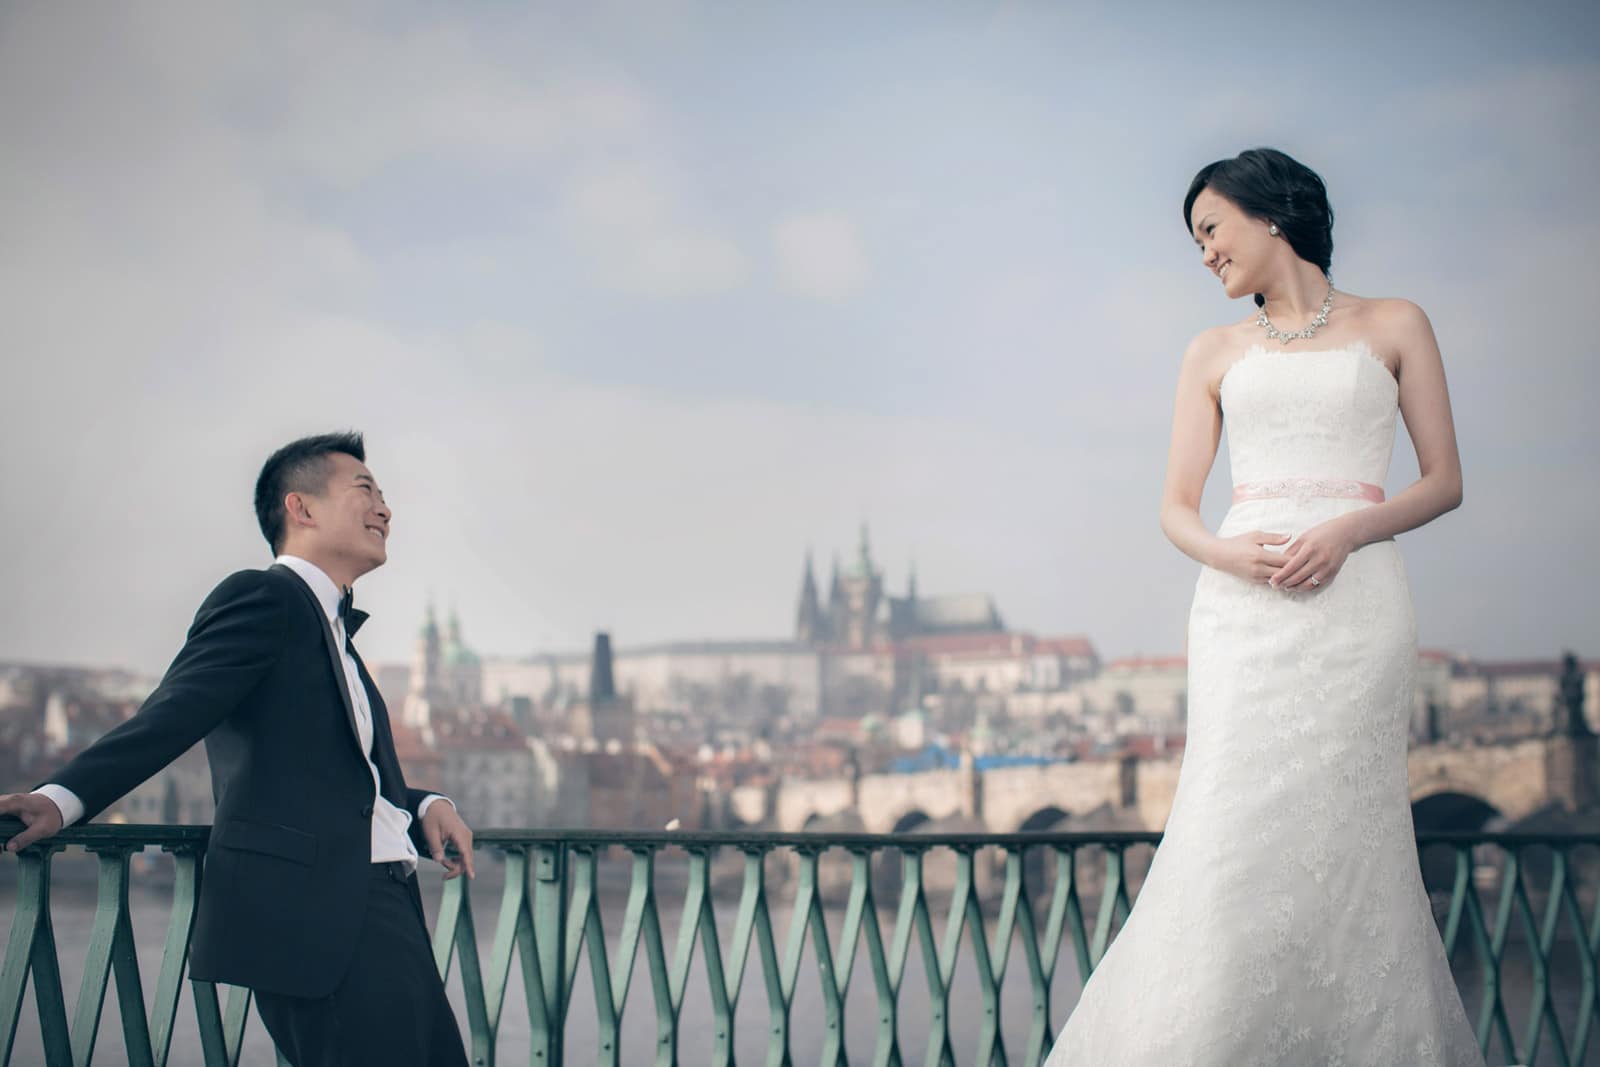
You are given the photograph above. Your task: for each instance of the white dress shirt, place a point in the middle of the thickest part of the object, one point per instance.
(390, 841)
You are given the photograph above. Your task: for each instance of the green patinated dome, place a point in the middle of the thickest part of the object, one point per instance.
(457, 654)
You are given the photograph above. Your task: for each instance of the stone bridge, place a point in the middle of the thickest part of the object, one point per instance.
(1453, 787)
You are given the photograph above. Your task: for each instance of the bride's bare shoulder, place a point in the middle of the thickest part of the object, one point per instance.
(1210, 352)
(1392, 325)
(1389, 311)
(1218, 340)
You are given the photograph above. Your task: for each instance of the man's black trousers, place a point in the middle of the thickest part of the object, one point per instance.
(389, 1009)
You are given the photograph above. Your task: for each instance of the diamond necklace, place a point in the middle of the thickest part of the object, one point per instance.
(1312, 327)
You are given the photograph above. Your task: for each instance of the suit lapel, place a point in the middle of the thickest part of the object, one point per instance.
(383, 753)
(335, 662)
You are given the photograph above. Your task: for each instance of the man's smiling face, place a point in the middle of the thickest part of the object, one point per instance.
(352, 517)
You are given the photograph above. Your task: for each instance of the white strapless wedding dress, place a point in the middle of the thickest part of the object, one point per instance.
(1283, 920)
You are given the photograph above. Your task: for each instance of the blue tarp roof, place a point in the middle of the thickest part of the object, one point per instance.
(937, 757)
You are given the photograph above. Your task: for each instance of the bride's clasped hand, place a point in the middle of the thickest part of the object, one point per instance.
(1316, 556)
(1249, 556)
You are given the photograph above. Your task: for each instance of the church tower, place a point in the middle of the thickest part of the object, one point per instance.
(835, 600)
(607, 716)
(423, 696)
(857, 599)
(810, 626)
(462, 674)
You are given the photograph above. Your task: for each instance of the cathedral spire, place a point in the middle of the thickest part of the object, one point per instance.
(425, 691)
(864, 560)
(808, 625)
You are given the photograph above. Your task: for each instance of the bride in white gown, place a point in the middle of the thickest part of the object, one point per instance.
(1283, 920)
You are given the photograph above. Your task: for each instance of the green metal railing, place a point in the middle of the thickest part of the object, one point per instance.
(1517, 908)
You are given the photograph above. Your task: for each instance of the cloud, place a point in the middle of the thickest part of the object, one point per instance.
(524, 272)
(820, 255)
(621, 200)
(638, 235)
(330, 96)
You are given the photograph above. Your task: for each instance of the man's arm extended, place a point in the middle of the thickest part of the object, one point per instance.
(235, 638)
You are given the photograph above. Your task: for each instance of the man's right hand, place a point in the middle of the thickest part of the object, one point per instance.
(39, 814)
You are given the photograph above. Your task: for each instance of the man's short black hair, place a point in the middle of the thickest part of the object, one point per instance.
(299, 467)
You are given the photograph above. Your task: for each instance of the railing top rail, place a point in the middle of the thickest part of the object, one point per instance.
(117, 833)
(173, 835)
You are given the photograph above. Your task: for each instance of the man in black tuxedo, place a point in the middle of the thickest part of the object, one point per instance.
(309, 896)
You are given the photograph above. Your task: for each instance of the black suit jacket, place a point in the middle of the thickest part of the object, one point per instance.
(285, 880)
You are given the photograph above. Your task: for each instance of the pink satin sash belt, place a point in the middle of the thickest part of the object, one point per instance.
(1308, 487)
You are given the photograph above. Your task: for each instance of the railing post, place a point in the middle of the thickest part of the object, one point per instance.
(833, 988)
(455, 935)
(221, 1029)
(698, 922)
(641, 921)
(111, 955)
(752, 920)
(805, 892)
(585, 930)
(966, 909)
(549, 935)
(175, 953)
(32, 949)
(1113, 899)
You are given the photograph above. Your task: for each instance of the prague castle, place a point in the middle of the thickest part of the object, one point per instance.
(861, 615)
(858, 650)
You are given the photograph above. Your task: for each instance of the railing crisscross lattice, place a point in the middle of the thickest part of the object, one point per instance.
(1515, 912)
(1521, 925)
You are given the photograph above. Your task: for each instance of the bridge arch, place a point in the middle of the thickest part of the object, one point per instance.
(1449, 811)
(910, 822)
(1044, 820)
(1516, 778)
(1038, 863)
(888, 864)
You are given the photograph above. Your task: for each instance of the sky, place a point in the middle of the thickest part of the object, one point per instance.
(638, 303)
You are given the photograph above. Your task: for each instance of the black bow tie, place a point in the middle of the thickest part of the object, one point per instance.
(348, 614)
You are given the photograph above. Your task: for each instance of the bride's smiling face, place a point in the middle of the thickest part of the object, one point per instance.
(1233, 246)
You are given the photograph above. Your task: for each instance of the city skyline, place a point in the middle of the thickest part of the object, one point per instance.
(637, 305)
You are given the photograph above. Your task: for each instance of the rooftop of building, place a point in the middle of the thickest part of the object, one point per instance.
(1148, 663)
(939, 757)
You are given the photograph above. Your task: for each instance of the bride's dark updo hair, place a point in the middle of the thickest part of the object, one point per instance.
(1273, 187)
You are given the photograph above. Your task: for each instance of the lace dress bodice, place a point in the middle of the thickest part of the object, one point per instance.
(1321, 414)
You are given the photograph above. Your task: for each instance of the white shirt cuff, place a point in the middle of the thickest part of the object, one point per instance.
(64, 799)
(427, 802)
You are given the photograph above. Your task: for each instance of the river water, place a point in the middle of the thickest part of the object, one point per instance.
(73, 913)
